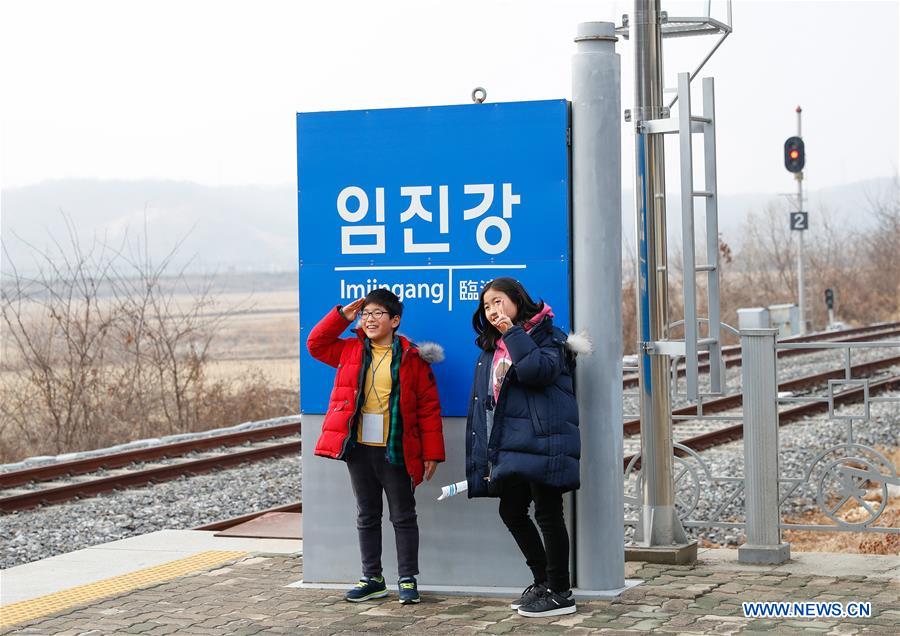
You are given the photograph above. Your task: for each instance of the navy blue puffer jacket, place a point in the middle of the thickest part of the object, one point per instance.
(535, 435)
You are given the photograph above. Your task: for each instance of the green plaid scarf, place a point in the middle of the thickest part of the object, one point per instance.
(394, 450)
(395, 431)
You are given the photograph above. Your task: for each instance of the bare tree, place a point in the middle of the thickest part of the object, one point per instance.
(102, 345)
(882, 248)
(57, 373)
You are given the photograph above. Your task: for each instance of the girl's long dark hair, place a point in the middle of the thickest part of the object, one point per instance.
(526, 308)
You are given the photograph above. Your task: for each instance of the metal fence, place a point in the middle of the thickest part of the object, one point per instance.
(844, 485)
(851, 480)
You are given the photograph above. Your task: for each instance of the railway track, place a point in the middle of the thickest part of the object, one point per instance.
(726, 434)
(64, 481)
(731, 355)
(735, 400)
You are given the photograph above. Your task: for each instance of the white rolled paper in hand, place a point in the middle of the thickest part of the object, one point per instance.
(453, 489)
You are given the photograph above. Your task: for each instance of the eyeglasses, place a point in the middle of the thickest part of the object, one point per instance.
(376, 314)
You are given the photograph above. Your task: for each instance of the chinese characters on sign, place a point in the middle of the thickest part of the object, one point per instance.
(469, 289)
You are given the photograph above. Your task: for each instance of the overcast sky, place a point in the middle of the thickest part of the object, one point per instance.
(206, 91)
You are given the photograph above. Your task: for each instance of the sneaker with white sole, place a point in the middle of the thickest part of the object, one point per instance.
(409, 590)
(530, 595)
(549, 603)
(367, 589)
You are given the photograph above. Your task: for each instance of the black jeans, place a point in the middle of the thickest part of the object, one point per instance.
(548, 561)
(370, 475)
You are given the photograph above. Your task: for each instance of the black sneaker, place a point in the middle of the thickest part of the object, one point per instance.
(409, 590)
(549, 603)
(367, 589)
(530, 595)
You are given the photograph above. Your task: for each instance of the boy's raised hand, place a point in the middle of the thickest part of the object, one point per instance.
(352, 310)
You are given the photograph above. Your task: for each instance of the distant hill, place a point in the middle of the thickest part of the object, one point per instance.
(254, 228)
(240, 228)
(847, 204)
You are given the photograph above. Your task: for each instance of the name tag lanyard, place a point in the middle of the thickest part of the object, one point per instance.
(373, 424)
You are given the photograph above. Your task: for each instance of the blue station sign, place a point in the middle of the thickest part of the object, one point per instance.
(431, 203)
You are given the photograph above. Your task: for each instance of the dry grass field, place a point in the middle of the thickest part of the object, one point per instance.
(262, 333)
(258, 331)
(84, 372)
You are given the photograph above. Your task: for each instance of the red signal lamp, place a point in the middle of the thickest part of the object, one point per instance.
(794, 154)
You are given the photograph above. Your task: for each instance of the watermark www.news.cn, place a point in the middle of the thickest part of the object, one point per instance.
(806, 609)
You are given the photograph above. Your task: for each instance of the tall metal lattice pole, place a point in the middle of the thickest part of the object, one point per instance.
(660, 526)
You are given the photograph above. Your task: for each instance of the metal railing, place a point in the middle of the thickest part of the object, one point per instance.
(850, 480)
(845, 483)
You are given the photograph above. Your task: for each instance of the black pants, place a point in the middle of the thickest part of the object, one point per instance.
(548, 561)
(370, 475)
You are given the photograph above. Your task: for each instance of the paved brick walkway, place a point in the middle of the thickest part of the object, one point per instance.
(249, 597)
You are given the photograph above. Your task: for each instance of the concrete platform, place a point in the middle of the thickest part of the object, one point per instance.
(806, 563)
(252, 594)
(100, 562)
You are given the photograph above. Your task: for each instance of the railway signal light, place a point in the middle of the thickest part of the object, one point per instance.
(794, 154)
(829, 298)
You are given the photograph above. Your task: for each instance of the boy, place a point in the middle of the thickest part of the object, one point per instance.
(384, 420)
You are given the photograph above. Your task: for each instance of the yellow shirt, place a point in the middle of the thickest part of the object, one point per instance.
(377, 390)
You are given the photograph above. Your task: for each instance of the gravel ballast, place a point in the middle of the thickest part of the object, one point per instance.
(188, 502)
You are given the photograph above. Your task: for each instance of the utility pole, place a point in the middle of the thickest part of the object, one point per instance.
(597, 300)
(660, 536)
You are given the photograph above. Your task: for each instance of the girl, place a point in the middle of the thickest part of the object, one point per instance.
(522, 441)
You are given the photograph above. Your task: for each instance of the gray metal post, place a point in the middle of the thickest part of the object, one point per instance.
(597, 285)
(800, 295)
(660, 526)
(760, 396)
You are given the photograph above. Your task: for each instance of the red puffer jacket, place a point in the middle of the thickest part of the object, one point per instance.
(420, 407)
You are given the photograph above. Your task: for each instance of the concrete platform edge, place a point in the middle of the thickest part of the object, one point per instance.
(474, 590)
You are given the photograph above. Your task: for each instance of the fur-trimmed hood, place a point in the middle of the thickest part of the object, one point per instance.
(430, 352)
(580, 343)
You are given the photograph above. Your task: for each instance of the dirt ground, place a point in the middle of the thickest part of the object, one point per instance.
(847, 542)
(854, 542)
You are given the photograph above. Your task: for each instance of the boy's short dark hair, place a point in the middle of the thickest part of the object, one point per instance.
(386, 299)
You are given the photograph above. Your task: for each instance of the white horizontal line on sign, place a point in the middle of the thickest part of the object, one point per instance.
(405, 267)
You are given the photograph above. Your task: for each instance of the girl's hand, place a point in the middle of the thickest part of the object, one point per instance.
(352, 310)
(502, 323)
(430, 467)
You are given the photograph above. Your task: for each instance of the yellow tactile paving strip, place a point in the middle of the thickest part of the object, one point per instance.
(22, 611)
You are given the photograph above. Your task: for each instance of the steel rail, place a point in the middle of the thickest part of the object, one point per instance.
(861, 334)
(727, 434)
(93, 487)
(633, 427)
(150, 453)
